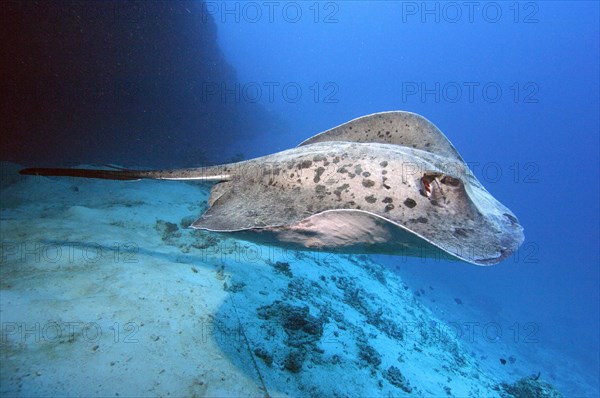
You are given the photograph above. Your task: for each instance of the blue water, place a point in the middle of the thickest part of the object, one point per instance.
(515, 88)
(513, 85)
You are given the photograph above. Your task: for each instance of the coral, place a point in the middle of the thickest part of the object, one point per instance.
(300, 326)
(167, 229)
(293, 361)
(529, 387)
(283, 268)
(204, 240)
(187, 221)
(264, 355)
(235, 287)
(360, 300)
(373, 269)
(169, 232)
(368, 353)
(395, 377)
(303, 331)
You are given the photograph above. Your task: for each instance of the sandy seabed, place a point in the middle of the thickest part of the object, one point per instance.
(105, 292)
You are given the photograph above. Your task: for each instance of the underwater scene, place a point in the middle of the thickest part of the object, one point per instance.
(300, 199)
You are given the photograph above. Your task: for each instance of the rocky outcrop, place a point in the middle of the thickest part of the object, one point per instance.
(117, 82)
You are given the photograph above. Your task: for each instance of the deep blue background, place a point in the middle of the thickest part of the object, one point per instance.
(543, 141)
(534, 145)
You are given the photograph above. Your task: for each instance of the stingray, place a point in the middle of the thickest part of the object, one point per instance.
(388, 183)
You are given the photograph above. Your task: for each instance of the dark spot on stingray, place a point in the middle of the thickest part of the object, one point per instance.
(447, 180)
(298, 180)
(388, 208)
(357, 169)
(336, 159)
(387, 133)
(422, 220)
(320, 190)
(319, 158)
(387, 199)
(384, 163)
(461, 232)
(305, 164)
(368, 183)
(371, 199)
(410, 203)
(326, 163)
(338, 191)
(503, 361)
(350, 127)
(458, 301)
(427, 144)
(384, 172)
(366, 174)
(351, 175)
(386, 186)
(318, 174)
(342, 170)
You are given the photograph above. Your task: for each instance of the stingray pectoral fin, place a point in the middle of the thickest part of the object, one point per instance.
(219, 190)
(196, 174)
(447, 212)
(397, 128)
(345, 232)
(356, 231)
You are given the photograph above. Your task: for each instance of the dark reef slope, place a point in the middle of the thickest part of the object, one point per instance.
(87, 81)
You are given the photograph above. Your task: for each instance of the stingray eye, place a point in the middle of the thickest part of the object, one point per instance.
(426, 185)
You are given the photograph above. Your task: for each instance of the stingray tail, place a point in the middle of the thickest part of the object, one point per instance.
(216, 173)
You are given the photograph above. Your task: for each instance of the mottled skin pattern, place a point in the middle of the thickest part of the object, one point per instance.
(383, 182)
(399, 128)
(382, 179)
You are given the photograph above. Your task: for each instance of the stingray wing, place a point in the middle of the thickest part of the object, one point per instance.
(402, 186)
(396, 128)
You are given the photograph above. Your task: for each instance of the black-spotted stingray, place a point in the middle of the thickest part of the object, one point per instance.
(384, 183)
